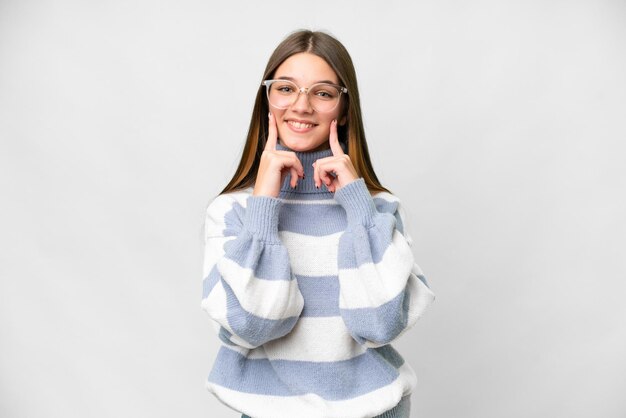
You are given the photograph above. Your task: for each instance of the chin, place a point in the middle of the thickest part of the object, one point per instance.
(301, 147)
(298, 145)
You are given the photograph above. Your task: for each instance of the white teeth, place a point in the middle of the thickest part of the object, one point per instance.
(300, 125)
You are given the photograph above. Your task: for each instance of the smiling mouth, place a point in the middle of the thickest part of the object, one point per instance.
(300, 125)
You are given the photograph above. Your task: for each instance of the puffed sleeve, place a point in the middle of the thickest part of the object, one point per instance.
(382, 291)
(248, 289)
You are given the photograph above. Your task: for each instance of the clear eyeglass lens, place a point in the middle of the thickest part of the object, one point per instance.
(322, 97)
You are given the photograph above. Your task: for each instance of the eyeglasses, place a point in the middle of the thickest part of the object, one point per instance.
(323, 97)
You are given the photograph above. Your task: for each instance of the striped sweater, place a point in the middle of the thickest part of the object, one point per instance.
(306, 292)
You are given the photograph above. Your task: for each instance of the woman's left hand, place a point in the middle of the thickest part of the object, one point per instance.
(339, 163)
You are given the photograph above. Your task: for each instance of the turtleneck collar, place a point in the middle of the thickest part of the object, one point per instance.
(307, 184)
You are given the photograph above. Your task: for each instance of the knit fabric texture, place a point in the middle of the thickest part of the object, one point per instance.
(306, 291)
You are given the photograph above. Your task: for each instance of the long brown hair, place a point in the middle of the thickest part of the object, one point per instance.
(352, 132)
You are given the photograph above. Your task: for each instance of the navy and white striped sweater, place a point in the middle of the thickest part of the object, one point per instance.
(306, 291)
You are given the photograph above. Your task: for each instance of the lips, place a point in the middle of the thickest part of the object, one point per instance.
(301, 124)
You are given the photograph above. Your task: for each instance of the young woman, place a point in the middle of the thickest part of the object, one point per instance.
(309, 272)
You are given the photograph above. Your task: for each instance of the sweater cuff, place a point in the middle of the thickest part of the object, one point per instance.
(262, 218)
(358, 203)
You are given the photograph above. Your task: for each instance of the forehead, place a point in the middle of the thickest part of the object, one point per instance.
(306, 68)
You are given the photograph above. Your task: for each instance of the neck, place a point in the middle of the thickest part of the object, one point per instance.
(306, 186)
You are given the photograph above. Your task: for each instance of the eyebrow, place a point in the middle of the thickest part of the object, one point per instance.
(316, 82)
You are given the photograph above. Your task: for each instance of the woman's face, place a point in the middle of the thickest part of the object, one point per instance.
(300, 128)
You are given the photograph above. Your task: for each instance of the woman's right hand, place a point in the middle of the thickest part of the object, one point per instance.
(275, 164)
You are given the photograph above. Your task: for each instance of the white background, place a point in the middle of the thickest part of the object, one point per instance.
(500, 124)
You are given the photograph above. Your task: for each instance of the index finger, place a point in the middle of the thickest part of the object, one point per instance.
(270, 144)
(333, 139)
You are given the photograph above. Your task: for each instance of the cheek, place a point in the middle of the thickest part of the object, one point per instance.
(278, 113)
(327, 121)
(336, 115)
(281, 130)
(278, 116)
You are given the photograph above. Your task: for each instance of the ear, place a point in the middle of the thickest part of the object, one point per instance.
(343, 120)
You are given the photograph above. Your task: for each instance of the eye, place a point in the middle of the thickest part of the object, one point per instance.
(325, 92)
(284, 87)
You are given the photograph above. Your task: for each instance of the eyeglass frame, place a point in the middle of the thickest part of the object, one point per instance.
(268, 83)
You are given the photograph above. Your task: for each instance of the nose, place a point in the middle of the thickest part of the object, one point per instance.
(302, 103)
